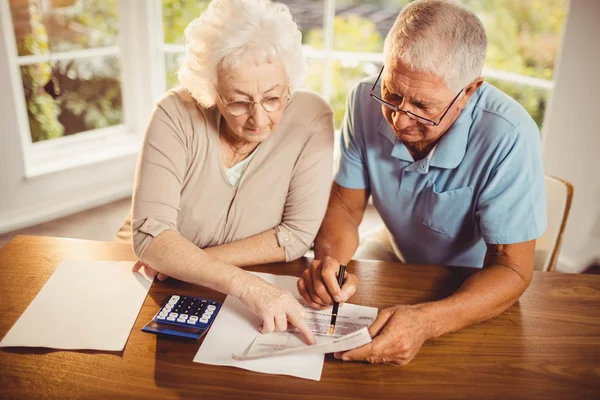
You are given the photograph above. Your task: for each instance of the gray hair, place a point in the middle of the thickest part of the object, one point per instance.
(227, 30)
(440, 38)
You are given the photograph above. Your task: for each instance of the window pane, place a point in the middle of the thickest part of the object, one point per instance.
(43, 27)
(67, 97)
(344, 77)
(173, 62)
(177, 14)
(533, 99)
(309, 16)
(523, 36)
(361, 25)
(314, 74)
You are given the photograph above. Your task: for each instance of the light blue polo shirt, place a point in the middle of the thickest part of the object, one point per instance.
(484, 183)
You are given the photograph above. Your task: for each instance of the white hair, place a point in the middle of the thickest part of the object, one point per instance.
(229, 29)
(440, 38)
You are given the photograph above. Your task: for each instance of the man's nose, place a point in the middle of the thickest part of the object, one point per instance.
(401, 120)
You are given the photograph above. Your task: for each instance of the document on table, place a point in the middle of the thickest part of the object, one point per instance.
(235, 330)
(84, 305)
(282, 343)
(347, 334)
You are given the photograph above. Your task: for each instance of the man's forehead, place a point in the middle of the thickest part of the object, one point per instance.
(413, 84)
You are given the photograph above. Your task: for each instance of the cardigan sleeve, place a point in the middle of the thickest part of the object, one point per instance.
(309, 189)
(159, 174)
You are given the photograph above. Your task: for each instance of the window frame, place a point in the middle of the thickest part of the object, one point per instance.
(89, 147)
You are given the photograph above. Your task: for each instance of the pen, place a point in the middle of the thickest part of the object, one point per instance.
(334, 312)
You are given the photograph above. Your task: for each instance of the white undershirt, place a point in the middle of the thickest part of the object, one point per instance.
(234, 174)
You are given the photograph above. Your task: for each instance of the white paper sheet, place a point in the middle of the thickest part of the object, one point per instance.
(84, 305)
(282, 343)
(235, 328)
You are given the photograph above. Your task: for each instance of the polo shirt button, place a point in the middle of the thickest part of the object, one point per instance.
(285, 237)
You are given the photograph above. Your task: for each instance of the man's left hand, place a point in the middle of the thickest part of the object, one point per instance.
(398, 333)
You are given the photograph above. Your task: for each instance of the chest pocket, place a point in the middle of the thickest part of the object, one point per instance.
(446, 212)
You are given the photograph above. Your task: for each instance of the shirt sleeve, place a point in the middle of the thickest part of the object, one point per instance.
(308, 192)
(352, 170)
(159, 176)
(512, 206)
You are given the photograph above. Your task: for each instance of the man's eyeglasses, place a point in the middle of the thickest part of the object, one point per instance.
(269, 104)
(411, 115)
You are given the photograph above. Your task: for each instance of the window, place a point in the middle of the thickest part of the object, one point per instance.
(75, 74)
(344, 41)
(70, 70)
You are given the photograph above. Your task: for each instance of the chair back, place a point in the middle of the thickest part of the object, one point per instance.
(559, 195)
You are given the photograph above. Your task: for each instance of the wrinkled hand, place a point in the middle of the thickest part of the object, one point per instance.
(318, 284)
(149, 271)
(275, 307)
(398, 333)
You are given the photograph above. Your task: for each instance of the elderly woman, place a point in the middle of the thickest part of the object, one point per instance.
(236, 164)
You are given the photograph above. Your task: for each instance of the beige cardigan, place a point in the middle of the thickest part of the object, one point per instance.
(181, 183)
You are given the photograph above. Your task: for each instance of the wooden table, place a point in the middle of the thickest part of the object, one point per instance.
(546, 346)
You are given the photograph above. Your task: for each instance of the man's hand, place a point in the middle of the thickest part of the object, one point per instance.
(318, 284)
(398, 333)
(149, 271)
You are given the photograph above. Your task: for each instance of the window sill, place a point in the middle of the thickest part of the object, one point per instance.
(79, 150)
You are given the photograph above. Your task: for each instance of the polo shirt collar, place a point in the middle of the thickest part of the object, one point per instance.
(451, 148)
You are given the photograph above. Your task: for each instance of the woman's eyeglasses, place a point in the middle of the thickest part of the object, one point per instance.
(269, 104)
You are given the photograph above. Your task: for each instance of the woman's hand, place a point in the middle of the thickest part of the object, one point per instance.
(149, 271)
(275, 307)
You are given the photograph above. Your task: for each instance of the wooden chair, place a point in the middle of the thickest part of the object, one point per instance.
(559, 194)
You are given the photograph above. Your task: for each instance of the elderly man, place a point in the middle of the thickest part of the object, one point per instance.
(455, 170)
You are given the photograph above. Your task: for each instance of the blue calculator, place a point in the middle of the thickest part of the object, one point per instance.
(184, 316)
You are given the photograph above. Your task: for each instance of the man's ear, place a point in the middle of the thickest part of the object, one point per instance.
(473, 86)
(469, 90)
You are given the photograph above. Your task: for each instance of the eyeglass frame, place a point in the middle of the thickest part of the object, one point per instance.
(253, 103)
(410, 114)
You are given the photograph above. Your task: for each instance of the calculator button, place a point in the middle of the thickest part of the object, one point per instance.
(191, 322)
(159, 316)
(173, 314)
(193, 319)
(170, 318)
(210, 307)
(205, 315)
(184, 316)
(210, 312)
(174, 298)
(204, 320)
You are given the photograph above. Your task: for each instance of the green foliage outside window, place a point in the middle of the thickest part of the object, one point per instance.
(524, 37)
(68, 97)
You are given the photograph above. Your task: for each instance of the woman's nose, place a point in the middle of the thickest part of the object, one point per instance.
(259, 116)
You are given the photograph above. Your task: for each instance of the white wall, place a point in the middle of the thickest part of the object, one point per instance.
(572, 132)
